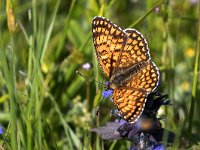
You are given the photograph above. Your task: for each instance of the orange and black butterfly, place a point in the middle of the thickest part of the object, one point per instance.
(125, 60)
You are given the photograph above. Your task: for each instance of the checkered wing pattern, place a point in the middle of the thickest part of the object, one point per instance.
(130, 103)
(136, 49)
(124, 58)
(147, 78)
(109, 40)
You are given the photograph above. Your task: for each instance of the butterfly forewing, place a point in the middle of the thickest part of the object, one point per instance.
(109, 40)
(135, 50)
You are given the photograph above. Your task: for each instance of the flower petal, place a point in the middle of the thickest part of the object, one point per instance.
(107, 93)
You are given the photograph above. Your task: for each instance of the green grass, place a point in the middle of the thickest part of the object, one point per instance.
(44, 104)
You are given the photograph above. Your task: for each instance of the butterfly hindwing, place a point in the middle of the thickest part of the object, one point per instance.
(130, 103)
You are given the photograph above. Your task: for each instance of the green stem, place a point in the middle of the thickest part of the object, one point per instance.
(195, 77)
(66, 27)
(8, 72)
(13, 104)
(143, 17)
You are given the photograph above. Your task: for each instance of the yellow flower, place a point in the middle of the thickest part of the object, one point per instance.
(44, 67)
(185, 86)
(190, 52)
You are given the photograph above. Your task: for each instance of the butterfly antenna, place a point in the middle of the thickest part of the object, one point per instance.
(86, 77)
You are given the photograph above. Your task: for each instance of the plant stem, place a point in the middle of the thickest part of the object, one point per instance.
(195, 78)
(144, 16)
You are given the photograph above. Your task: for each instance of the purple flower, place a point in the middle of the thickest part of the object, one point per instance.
(158, 147)
(157, 9)
(193, 2)
(132, 148)
(120, 121)
(86, 66)
(146, 133)
(1, 130)
(107, 93)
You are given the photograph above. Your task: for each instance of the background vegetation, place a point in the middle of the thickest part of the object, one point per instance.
(44, 104)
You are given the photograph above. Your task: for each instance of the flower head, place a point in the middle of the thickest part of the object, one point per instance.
(107, 93)
(86, 66)
(157, 9)
(107, 83)
(194, 2)
(158, 147)
(1, 130)
(146, 132)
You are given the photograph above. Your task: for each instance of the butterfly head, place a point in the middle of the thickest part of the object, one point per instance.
(111, 86)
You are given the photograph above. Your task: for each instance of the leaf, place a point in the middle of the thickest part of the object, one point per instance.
(97, 98)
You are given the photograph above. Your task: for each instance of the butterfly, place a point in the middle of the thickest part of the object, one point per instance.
(125, 60)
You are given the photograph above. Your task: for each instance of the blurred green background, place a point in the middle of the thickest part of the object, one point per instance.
(44, 104)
